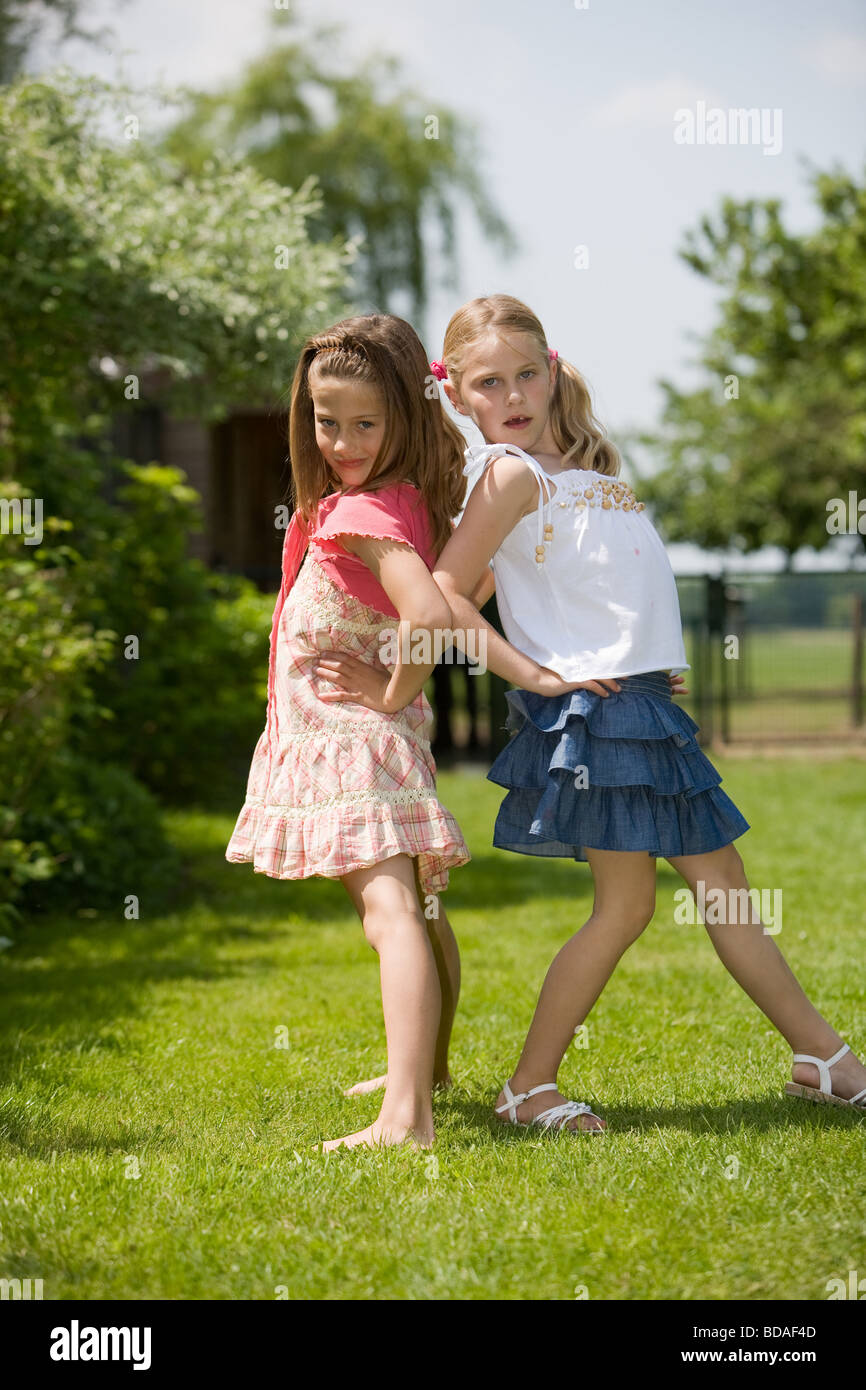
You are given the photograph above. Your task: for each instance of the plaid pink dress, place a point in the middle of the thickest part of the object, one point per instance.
(337, 787)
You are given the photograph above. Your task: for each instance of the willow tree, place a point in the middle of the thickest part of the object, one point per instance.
(22, 22)
(393, 166)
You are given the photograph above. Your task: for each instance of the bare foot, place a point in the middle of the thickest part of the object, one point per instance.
(378, 1083)
(847, 1076)
(363, 1088)
(528, 1109)
(377, 1136)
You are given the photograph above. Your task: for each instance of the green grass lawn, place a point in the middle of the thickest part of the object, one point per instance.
(155, 1143)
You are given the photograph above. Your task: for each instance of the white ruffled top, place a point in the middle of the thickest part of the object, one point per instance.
(584, 586)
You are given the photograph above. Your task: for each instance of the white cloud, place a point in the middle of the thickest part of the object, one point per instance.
(651, 103)
(838, 55)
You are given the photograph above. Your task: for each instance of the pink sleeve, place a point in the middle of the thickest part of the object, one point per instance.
(377, 515)
(392, 514)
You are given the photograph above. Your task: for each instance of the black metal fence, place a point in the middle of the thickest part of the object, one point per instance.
(774, 657)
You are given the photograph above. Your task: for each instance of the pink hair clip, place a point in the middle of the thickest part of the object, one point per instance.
(552, 354)
(439, 370)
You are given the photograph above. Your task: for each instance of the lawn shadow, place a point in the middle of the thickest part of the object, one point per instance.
(490, 878)
(66, 982)
(498, 876)
(760, 1115)
(484, 885)
(31, 1142)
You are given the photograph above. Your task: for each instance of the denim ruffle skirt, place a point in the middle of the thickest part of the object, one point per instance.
(622, 772)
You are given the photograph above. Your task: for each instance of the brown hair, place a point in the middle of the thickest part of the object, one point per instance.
(421, 445)
(577, 433)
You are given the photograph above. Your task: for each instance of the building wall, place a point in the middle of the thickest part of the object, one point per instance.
(240, 469)
(250, 477)
(187, 444)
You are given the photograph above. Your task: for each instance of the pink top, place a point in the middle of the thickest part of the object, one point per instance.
(392, 513)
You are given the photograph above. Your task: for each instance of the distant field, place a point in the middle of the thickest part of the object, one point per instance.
(789, 682)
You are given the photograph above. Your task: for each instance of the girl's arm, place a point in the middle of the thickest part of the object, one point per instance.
(497, 502)
(486, 587)
(422, 609)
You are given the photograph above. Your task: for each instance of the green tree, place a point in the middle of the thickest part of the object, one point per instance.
(392, 165)
(123, 275)
(20, 23)
(753, 457)
(117, 265)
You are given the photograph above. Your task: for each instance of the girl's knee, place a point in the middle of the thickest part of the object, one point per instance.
(375, 926)
(640, 917)
(628, 919)
(382, 925)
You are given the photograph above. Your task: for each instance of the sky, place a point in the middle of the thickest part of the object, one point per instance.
(574, 102)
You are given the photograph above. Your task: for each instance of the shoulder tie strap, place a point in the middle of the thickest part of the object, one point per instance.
(479, 455)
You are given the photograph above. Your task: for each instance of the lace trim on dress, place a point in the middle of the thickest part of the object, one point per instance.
(331, 602)
(406, 796)
(349, 727)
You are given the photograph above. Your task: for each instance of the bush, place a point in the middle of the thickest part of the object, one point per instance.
(102, 834)
(184, 700)
(47, 653)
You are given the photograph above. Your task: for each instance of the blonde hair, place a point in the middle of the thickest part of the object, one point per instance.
(421, 445)
(577, 433)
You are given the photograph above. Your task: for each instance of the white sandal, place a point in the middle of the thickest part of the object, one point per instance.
(825, 1094)
(557, 1116)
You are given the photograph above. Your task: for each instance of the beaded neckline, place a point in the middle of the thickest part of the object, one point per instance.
(600, 490)
(613, 495)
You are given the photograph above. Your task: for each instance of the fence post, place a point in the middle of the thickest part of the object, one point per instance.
(857, 673)
(724, 665)
(714, 623)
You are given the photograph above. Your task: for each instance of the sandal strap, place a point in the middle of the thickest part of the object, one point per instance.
(558, 1114)
(512, 1101)
(824, 1084)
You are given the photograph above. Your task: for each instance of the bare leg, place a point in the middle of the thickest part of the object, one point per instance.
(758, 966)
(447, 956)
(387, 903)
(623, 904)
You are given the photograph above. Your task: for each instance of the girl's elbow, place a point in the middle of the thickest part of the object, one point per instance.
(442, 615)
(446, 584)
(431, 615)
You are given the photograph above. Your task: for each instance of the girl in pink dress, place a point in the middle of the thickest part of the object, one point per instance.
(348, 790)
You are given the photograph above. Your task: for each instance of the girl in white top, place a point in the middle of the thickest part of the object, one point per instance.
(602, 601)
(604, 767)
